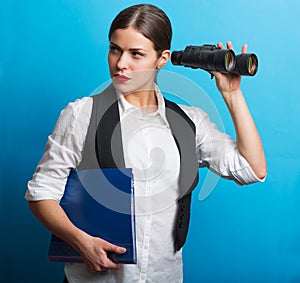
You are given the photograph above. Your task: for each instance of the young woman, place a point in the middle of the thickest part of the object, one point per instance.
(140, 39)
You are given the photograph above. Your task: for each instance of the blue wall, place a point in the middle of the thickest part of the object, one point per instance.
(54, 51)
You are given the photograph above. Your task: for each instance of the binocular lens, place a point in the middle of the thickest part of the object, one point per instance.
(229, 61)
(220, 60)
(252, 65)
(246, 64)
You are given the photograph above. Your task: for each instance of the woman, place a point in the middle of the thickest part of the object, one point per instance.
(140, 39)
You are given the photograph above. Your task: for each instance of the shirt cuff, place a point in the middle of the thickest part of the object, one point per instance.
(243, 173)
(45, 187)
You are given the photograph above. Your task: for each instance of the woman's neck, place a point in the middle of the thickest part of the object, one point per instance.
(145, 100)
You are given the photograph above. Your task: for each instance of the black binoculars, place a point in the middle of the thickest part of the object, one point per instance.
(212, 58)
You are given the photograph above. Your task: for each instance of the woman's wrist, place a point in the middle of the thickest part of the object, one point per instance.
(233, 98)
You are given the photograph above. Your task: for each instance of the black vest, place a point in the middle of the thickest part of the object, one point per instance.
(103, 148)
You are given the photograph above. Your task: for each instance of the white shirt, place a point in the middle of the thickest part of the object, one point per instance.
(149, 148)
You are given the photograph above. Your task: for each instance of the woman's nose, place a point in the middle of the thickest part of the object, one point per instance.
(122, 62)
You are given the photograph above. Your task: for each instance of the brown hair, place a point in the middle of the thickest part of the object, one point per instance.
(149, 20)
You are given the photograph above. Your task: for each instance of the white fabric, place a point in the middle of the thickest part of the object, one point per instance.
(149, 148)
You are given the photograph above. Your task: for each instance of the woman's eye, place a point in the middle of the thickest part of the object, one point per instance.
(114, 49)
(137, 54)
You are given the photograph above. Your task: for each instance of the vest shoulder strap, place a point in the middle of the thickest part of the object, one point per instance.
(103, 143)
(184, 133)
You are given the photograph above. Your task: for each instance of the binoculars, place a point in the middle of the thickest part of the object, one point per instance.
(212, 58)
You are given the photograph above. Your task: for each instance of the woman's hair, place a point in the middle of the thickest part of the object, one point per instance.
(149, 20)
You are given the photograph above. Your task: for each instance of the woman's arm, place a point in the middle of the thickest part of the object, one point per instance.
(92, 249)
(248, 141)
(63, 151)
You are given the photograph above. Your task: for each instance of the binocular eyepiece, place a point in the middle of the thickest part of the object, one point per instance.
(213, 58)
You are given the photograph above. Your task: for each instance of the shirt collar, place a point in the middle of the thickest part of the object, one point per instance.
(126, 107)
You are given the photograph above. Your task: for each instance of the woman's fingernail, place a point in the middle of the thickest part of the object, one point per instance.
(122, 250)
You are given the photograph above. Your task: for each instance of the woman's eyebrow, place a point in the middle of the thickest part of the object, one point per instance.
(130, 49)
(114, 45)
(138, 49)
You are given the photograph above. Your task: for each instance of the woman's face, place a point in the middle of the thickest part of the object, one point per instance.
(133, 61)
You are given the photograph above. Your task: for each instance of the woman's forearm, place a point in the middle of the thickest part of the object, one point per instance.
(248, 140)
(50, 213)
(93, 249)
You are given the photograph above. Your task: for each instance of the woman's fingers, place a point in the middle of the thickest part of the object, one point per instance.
(97, 257)
(230, 46)
(244, 48)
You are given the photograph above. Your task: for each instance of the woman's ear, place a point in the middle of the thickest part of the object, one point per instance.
(163, 59)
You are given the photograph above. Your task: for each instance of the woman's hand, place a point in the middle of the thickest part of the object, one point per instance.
(228, 83)
(94, 252)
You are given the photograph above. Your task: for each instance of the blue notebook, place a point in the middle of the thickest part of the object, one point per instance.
(100, 202)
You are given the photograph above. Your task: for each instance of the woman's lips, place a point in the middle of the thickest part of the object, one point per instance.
(122, 78)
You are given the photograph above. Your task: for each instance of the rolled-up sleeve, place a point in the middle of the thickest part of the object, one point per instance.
(219, 151)
(62, 152)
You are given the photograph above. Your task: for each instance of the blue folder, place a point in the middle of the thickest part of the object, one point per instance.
(100, 202)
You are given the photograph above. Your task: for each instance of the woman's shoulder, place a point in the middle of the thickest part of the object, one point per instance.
(78, 104)
(196, 114)
(73, 114)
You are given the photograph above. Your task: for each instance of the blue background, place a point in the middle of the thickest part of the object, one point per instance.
(54, 51)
